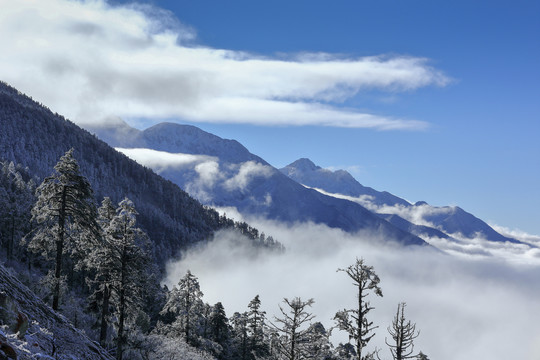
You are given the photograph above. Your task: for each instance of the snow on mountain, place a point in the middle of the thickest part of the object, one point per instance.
(223, 173)
(420, 218)
(48, 335)
(304, 171)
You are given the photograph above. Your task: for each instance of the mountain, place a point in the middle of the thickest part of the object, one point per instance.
(173, 138)
(420, 218)
(35, 138)
(224, 173)
(304, 171)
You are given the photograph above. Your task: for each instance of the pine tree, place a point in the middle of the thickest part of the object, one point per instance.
(121, 264)
(64, 207)
(354, 321)
(403, 334)
(256, 324)
(101, 260)
(129, 261)
(16, 200)
(293, 340)
(219, 328)
(184, 304)
(239, 322)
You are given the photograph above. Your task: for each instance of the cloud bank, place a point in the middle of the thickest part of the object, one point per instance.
(90, 60)
(466, 308)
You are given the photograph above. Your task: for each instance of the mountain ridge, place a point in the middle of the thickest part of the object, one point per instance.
(446, 221)
(247, 182)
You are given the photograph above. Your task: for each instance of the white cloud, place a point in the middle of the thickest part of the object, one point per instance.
(89, 60)
(161, 160)
(466, 308)
(517, 234)
(247, 171)
(459, 245)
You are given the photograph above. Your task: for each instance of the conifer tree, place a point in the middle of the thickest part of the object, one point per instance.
(185, 305)
(293, 341)
(354, 321)
(239, 322)
(16, 200)
(101, 260)
(128, 263)
(403, 333)
(64, 207)
(219, 326)
(256, 325)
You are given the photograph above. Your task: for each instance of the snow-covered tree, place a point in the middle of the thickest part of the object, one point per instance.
(64, 209)
(318, 342)
(101, 260)
(219, 329)
(403, 333)
(184, 305)
(129, 262)
(293, 335)
(354, 321)
(16, 200)
(256, 325)
(239, 336)
(121, 264)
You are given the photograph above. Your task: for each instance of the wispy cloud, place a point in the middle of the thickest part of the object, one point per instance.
(459, 244)
(245, 173)
(90, 60)
(161, 160)
(517, 234)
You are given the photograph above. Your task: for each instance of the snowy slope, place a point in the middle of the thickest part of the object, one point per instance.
(49, 335)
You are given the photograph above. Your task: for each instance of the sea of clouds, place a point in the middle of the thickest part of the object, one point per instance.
(473, 307)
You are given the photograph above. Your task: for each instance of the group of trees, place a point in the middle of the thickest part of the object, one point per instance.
(103, 246)
(102, 268)
(292, 335)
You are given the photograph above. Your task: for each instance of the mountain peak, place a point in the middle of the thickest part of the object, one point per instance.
(304, 164)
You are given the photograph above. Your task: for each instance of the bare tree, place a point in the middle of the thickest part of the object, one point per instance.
(293, 341)
(354, 321)
(403, 333)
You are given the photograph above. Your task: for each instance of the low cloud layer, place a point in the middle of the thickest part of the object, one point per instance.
(474, 308)
(200, 175)
(460, 245)
(90, 60)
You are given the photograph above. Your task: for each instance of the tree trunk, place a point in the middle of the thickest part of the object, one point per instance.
(59, 250)
(359, 325)
(121, 305)
(104, 314)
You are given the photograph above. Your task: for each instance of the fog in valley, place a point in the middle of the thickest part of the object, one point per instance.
(466, 307)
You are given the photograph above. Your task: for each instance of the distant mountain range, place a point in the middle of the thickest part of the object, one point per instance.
(224, 173)
(420, 218)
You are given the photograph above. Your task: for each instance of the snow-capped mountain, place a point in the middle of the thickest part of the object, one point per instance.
(420, 218)
(223, 173)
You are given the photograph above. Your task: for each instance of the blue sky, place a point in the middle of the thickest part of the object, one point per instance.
(459, 85)
(481, 150)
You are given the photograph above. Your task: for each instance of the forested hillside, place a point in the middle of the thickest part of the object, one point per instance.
(35, 138)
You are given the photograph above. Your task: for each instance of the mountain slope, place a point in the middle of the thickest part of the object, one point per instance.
(33, 136)
(223, 173)
(48, 334)
(304, 171)
(420, 218)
